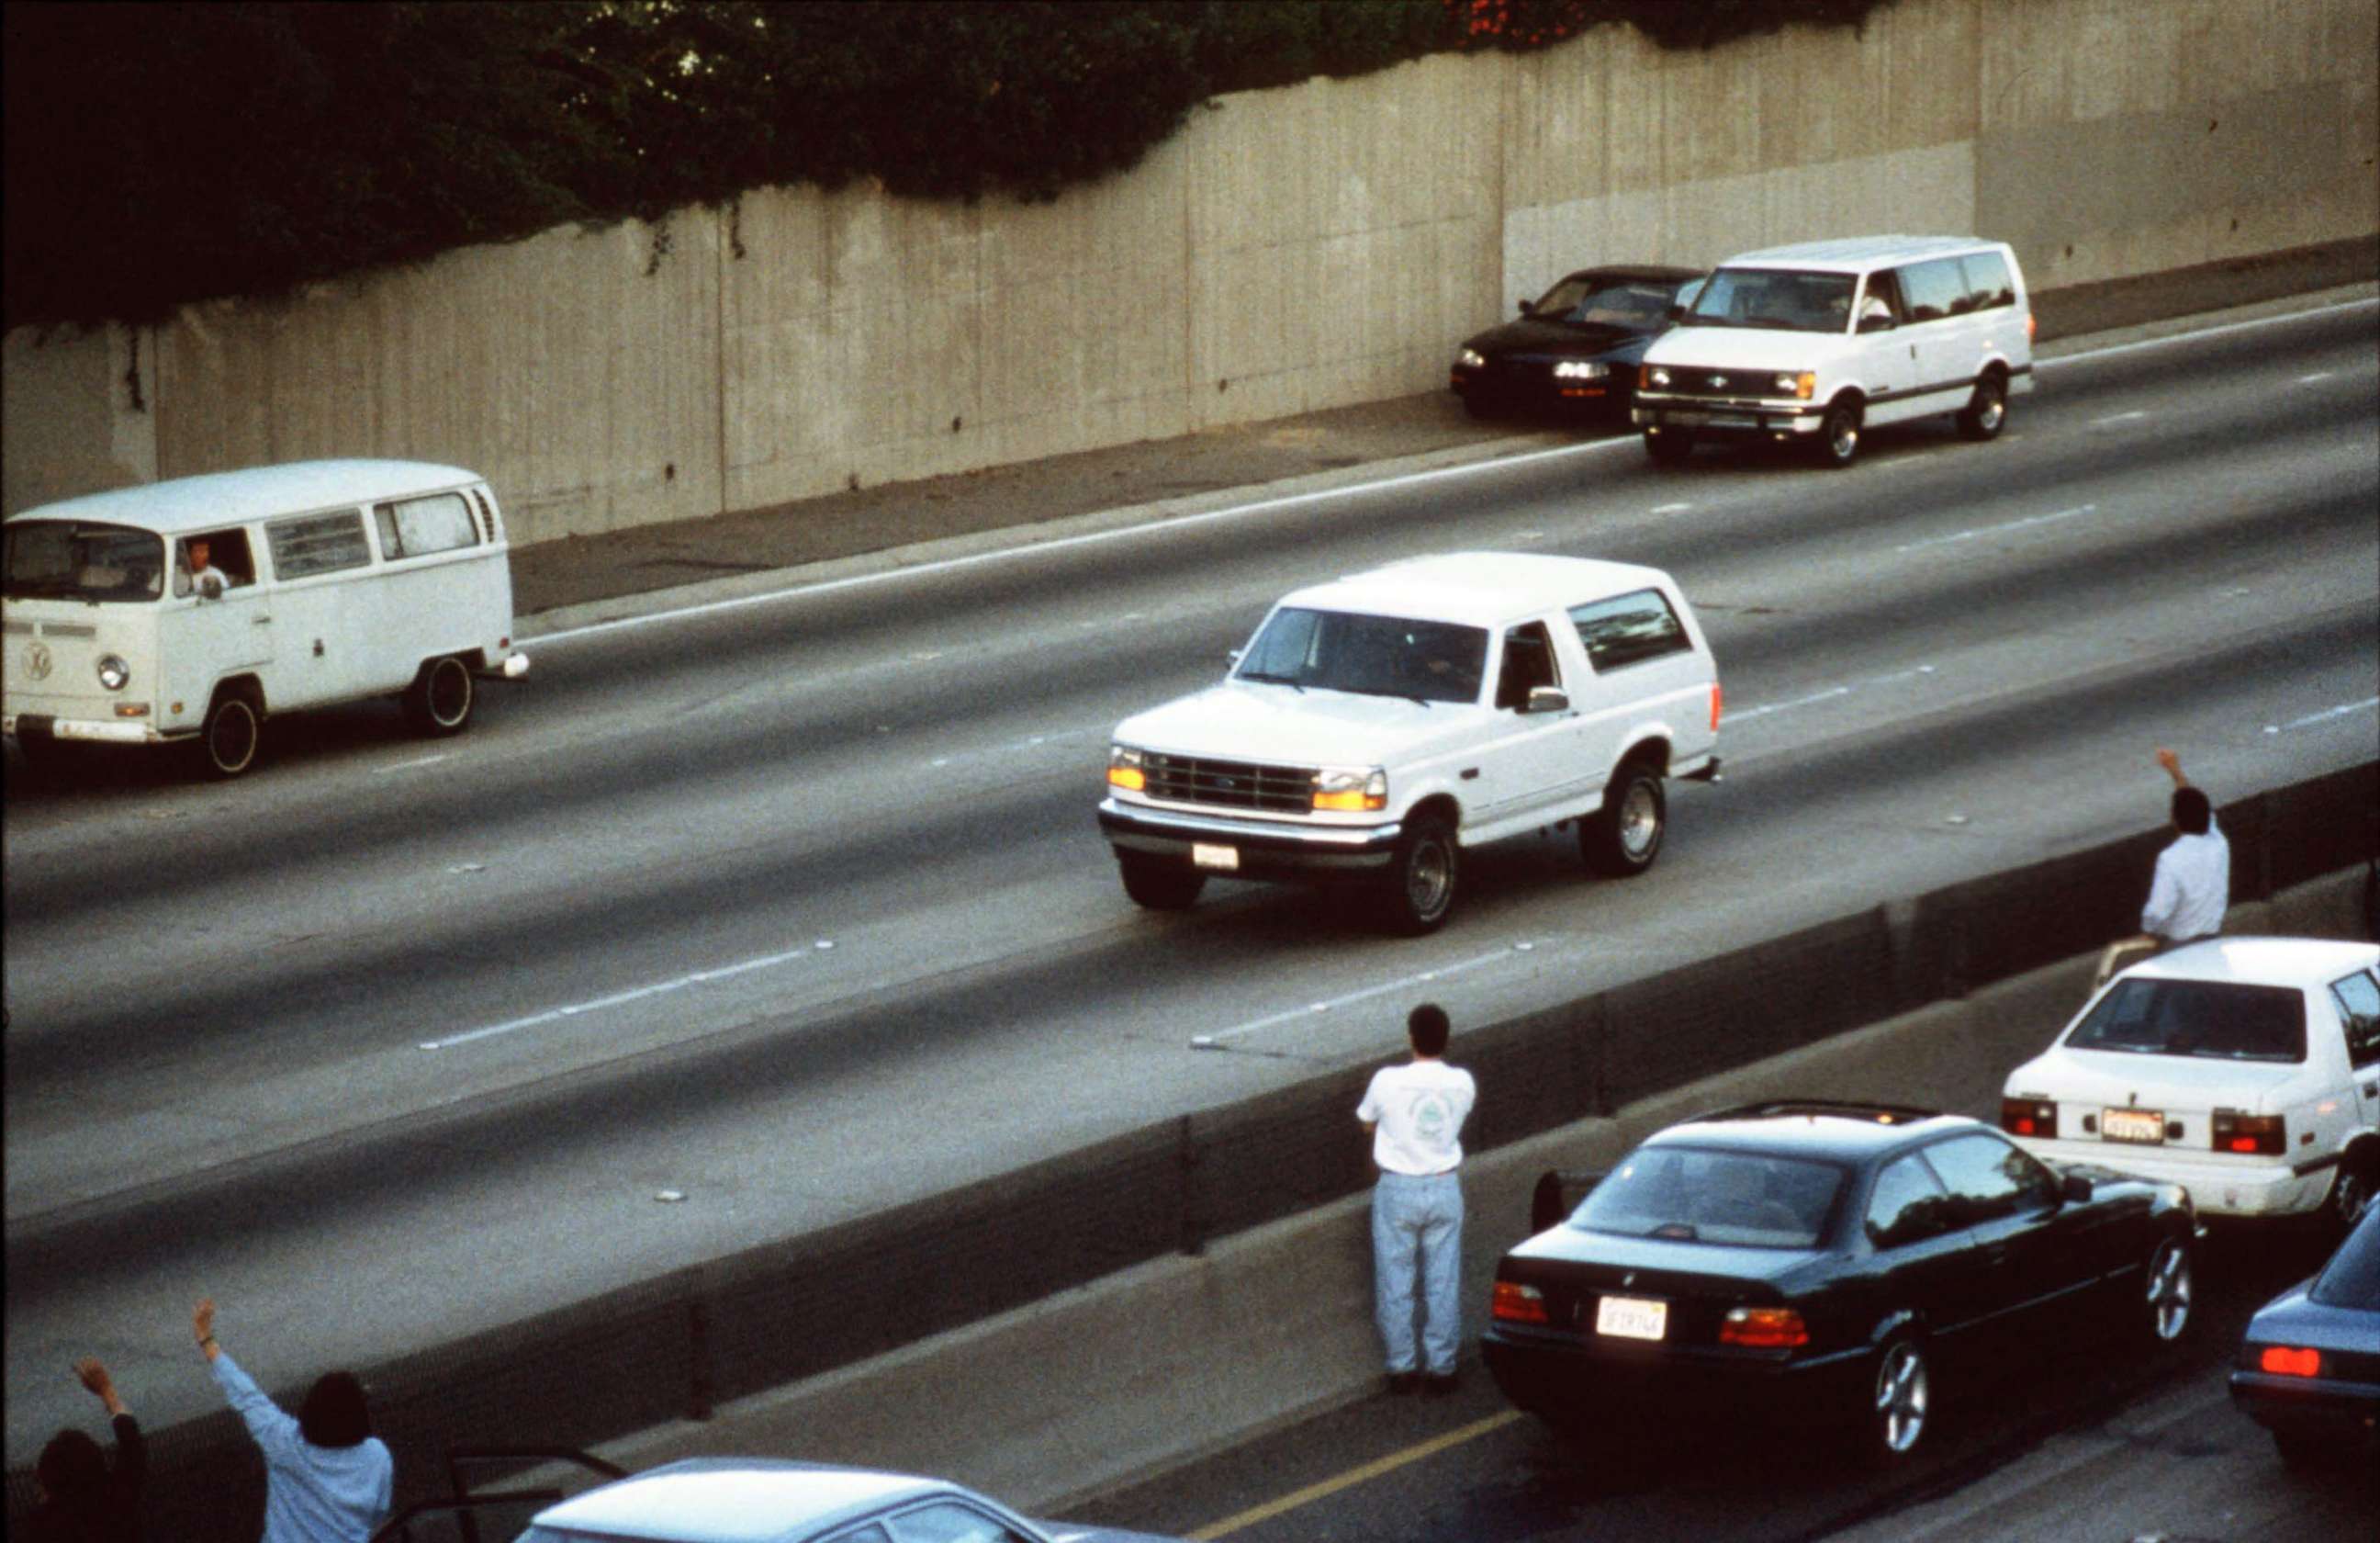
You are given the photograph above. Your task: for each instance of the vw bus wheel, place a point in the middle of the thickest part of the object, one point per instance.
(439, 699)
(227, 739)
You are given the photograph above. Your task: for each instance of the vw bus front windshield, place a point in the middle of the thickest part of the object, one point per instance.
(61, 559)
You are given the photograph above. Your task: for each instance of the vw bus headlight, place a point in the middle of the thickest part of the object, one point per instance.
(1126, 769)
(113, 672)
(1351, 789)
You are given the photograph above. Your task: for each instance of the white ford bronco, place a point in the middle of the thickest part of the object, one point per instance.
(1376, 726)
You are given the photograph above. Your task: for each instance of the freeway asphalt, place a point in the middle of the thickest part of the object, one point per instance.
(580, 581)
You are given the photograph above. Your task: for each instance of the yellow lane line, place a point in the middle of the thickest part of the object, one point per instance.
(1353, 1476)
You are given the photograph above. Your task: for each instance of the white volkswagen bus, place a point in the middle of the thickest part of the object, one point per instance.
(189, 610)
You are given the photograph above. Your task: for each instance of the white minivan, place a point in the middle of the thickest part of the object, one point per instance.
(188, 611)
(1811, 343)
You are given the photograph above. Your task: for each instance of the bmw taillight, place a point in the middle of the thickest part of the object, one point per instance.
(1764, 1328)
(1518, 1303)
(2258, 1135)
(2034, 1117)
(2289, 1361)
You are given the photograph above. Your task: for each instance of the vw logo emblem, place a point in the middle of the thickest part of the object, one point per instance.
(37, 661)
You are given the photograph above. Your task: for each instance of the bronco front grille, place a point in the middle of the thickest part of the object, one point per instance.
(1232, 784)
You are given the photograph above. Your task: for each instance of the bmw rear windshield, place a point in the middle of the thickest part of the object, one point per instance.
(1694, 1195)
(2216, 1020)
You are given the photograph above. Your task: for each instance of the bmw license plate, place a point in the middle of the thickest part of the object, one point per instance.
(1204, 856)
(2143, 1125)
(1632, 1318)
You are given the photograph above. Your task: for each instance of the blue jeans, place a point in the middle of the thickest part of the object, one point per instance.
(1417, 1241)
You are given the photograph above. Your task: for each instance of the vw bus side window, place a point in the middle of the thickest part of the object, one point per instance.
(68, 560)
(417, 526)
(317, 543)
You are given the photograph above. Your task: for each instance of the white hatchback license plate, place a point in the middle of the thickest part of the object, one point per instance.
(1632, 1318)
(1204, 856)
(2143, 1125)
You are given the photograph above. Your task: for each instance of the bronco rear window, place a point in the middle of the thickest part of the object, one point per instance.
(2219, 1020)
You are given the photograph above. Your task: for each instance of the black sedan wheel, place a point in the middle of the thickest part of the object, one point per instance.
(2166, 1291)
(1903, 1395)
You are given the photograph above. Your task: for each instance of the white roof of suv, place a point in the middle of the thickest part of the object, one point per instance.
(1860, 254)
(1476, 588)
(2307, 963)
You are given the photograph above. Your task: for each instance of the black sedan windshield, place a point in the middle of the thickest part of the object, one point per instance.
(2217, 1020)
(1747, 1198)
(1373, 656)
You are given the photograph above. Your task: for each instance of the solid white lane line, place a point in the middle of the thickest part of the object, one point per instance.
(2117, 418)
(1981, 531)
(2317, 376)
(572, 1010)
(1351, 490)
(410, 765)
(2327, 714)
(1210, 1042)
(1832, 693)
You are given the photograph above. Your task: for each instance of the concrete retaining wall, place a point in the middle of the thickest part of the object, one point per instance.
(1288, 250)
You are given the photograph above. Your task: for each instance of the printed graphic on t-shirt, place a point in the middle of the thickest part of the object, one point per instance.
(1433, 1117)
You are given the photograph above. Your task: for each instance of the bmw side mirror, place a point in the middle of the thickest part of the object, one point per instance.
(1557, 1194)
(2074, 1189)
(1529, 308)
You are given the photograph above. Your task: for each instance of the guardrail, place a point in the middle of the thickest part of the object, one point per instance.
(674, 1347)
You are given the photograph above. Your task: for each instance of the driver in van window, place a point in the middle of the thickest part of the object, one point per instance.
(200, 571)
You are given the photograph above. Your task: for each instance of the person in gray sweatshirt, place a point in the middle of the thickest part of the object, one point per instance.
(328, 1478)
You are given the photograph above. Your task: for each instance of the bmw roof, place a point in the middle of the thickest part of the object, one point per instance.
(1476, 588)
(1858, 254)
(1814, 1127)
(218, 498)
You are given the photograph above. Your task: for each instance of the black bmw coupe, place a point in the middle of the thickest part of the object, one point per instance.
(1574, 350)
(1815, 1262)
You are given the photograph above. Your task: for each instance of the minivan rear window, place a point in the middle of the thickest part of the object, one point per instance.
(1987, 281)
(2218, 1020)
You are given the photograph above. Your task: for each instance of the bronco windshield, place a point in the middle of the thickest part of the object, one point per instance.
(1372, 656)
(1688, 1194)
(1774, 298)
(58, 559)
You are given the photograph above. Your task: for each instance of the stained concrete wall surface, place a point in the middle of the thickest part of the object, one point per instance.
(1290, 249)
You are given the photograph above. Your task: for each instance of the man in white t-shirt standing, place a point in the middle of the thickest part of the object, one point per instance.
(2193, 884)
(1415, 1113)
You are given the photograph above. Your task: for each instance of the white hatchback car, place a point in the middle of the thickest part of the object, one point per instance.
(2245, 1069)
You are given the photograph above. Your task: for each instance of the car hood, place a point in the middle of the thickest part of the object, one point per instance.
(1528, 338)
(1754, 348)
(2172, 1082)
(1250, 722)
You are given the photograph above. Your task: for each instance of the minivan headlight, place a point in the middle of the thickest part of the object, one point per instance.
(1126, 768)
(1351, 789)
(113, 672)
(1656, 375)
(1801, 386)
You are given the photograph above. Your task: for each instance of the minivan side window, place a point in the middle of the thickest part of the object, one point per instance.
(2358, 1013)
(1988, 280)
(312, 544)
(1629, 629)
(1934, 289)
(417, 526)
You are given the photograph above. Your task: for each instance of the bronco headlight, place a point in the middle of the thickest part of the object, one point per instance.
(1580, 370)
(1470, 359)
(113, 672)
(1351, 789)
(1125, 768)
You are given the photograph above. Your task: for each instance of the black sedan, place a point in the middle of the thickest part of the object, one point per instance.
(2309, 1367)
(1575, 349)
(1815, 1261)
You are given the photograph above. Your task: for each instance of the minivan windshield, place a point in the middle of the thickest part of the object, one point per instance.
(1688, 1194)
(1781, 299)
(2221, 1020)
(58, 559)
(1372, 656)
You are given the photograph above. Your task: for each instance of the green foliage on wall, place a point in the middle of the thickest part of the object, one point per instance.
(162, 154)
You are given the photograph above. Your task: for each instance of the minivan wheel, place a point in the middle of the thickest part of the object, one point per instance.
(1838, 436)
(1159, 885)
(1621, 839)
(441, 697)
(1986, 413)
(1667, 446)
(227, 738)
(1418, 892)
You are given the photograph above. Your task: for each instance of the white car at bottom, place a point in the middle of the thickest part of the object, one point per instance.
(2245, 1069)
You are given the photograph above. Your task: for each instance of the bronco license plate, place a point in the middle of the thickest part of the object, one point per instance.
(2143, 1125)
